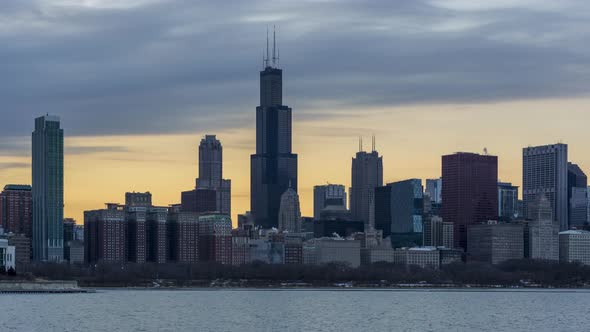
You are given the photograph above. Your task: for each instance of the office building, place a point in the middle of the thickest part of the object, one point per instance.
(543, 229)
(156, 218)
(469, 191)
(211, 173)
(424, 257)
(367, 174)
(22, 245)
(399, 205)
(577, 184)
(290, 212)
(16, 209)
(215, 238)
(105, 235)
(48, 189)
(434, 190)
(183, 237)
(7, 256)
(495, 242)
(69, 225)
(135, 222)
(240, 241)
(574, 246)
(274, 166)
(544, 171)
(330, 195)
(507, 201)
(332, 250)
(199, 201)
(437, 233)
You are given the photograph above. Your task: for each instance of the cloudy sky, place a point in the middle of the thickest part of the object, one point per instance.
(138, 82)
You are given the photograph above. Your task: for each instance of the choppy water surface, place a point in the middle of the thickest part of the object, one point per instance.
(297, 310)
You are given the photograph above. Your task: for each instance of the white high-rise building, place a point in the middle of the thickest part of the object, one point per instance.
(545, 171)
(290, 212)
(543, 230)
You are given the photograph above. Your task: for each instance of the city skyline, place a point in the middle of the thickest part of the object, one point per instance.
(115, 143)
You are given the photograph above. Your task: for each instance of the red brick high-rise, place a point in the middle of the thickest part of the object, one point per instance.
(469, 191)
(16, 209)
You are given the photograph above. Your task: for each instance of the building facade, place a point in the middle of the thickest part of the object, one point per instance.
(495, 242)
(333, 195)
(105, 234)
(437, 233)
(211, 173)
(16, 209)
(543, 230)
(290, 212)
(332, 250)
(434, 190)
(544, 171)
(367, 174)
(199, 201)
(574, 246)
(507, 201)
(215, 238)
(469, 191)
(274, 166)
(183, 237)
(48, 189)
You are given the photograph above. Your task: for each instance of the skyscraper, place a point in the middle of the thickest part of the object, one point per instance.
(16, 209)
(507, 201)
(274, 166)
(211, 173)
(367, 174)
(48, 189)
(328, 195)
(543, 230)
(290, 212)
(398, 211)
(434, 190)
(544, 171)
(469, 191)
(577, 184)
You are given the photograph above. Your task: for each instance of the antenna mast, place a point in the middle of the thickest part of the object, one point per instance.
(274, 46)
(267, 50)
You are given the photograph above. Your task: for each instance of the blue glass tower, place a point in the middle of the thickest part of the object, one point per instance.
(48, 189)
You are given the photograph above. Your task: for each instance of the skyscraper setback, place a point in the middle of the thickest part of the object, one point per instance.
(274, 166)
(544, 171)
(211, 173)
(48, 189)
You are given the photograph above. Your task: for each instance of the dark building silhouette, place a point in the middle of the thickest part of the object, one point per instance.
(344, 228)
(105, 235)
(577, 191)
(183, 237)
(16, 209)
(211, 173)
(199, 200)
(274, 166)
(366, 175)
(48, 189)
(469, 191)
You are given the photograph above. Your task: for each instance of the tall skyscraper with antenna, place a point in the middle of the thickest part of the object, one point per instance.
(367, 174)
(274, 166)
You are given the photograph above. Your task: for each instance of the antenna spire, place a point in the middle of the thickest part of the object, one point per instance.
(373, 143)
(267, 50)
(274, 46)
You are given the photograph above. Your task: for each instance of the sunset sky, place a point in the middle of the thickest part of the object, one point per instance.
(137, 83)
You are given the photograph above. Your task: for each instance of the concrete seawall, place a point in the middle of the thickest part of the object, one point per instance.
(18, 286)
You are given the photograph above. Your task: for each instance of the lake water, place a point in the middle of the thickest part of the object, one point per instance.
(298, 310)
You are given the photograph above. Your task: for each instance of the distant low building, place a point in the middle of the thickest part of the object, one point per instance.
(437, 233)
(574, 246)
(7, 256)
(332, 250)
(495, 242)
(424, 257)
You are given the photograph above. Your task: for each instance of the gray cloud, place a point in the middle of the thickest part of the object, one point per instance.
(12, 165)
(77, 150)
(131, 67)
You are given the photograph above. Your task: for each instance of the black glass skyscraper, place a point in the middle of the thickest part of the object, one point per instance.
(274, 167)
